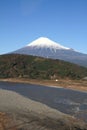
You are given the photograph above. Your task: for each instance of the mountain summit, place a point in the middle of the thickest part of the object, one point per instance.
(44, 47)
(44, 42)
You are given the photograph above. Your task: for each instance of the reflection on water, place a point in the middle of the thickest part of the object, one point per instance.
(78, 110)
(65, 100)
(83, 107)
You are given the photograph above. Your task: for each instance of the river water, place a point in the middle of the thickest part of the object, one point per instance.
(65, 100)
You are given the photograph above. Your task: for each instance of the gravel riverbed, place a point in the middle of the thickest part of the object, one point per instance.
(26, 114)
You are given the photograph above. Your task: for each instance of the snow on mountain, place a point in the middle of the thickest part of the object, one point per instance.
(47, 48)
(43, 42)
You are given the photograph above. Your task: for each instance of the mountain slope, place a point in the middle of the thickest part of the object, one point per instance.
(47, 48)
(15, 65)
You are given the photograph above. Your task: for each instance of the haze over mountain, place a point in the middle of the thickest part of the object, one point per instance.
(47, 48)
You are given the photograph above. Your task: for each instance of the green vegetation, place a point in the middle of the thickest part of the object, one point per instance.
(15, 65)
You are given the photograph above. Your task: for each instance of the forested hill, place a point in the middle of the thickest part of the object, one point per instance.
(15, 65)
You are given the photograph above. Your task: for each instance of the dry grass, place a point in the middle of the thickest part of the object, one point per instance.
(5, 122)
(37, 123)
(65, 83)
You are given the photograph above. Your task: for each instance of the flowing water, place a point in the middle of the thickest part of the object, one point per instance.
(65, 100)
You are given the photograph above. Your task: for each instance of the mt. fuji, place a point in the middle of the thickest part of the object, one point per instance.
(46, 43)
(47, 48)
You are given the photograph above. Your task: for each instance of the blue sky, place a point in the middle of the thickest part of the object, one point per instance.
(22, 21)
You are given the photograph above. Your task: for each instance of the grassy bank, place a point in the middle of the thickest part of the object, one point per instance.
(65, 83)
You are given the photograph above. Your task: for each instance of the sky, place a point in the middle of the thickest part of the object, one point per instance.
(23, 21)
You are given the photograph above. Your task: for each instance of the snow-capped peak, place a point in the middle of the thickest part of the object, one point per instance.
(44, 42)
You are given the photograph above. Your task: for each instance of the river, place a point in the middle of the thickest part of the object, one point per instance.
(65, 100)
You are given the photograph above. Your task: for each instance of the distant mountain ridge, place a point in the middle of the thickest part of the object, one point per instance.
(47, 48)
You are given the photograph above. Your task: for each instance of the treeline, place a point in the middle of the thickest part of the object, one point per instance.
(25, 66)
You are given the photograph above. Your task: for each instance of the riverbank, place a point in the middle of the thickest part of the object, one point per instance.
(20, 113)
(80, 85)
